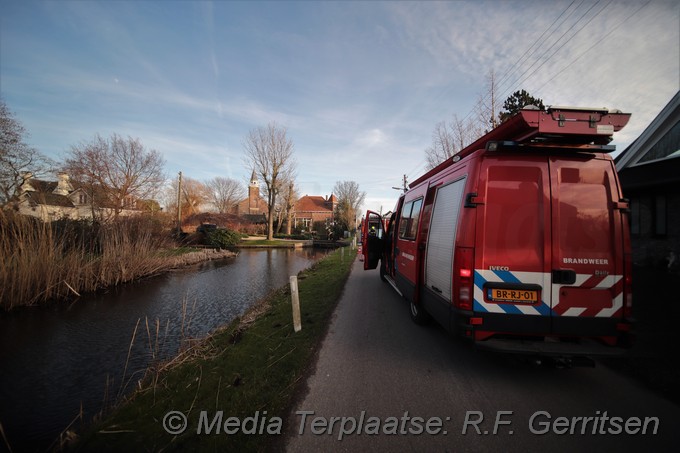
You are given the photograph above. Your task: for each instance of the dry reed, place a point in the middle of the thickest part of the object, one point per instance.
(42, 262)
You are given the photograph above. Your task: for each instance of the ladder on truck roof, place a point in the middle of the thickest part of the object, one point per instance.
(582, 128)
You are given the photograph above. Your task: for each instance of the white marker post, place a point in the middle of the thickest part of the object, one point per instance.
(295, 299)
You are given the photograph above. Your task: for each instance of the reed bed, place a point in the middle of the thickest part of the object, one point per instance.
(44, 262)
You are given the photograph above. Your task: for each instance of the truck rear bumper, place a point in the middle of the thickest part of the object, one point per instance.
(585, 348)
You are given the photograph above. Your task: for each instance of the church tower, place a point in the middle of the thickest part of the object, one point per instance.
(253, 194)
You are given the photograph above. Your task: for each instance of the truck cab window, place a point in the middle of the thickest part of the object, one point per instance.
(408, 225)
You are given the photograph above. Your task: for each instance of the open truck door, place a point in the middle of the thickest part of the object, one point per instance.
(372, 238)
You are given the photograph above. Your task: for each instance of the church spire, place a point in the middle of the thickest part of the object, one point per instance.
(253, 194)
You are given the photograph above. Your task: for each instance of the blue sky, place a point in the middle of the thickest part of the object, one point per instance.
(360, 85)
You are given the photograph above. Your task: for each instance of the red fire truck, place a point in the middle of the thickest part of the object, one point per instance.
(520, 242)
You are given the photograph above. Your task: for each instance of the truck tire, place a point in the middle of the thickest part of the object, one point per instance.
(382, 270)
(418, 314)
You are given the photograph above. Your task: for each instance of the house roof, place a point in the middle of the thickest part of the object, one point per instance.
(653, 159)
(660, 128)
(313, 203)
(655, 174)
(43, 194)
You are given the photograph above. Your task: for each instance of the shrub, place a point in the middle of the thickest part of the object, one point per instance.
(223, 238)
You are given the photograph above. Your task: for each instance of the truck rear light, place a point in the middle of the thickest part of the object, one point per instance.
(463, 279)
(476, 321)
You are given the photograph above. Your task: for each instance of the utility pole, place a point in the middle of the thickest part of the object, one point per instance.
(405, 188)
(179, 205)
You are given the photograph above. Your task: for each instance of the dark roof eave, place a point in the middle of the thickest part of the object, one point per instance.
(661, 173)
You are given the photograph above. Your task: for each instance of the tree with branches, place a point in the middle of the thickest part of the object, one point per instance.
(350, 199)
(117, 169)
(193, 196)
(516, 102)
(269, 152)
(17, 158)
(488, 104)
(224, 193)
(285, 204)
(449, 139)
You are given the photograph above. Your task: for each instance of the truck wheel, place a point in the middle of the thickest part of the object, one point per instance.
(418, 314)
(382, 270)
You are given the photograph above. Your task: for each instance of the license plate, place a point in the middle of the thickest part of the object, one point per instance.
(516, 296)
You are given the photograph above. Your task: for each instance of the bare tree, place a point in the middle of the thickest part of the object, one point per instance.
(194, 194)
(224, 193)
(488, 104)
(443, 145)
(16, 157)
(269, 152)
(121, 167)
(285, 204)
(350, 199)
(449, 139)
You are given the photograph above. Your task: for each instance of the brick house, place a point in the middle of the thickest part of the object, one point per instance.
(649, 171)
(61, 199)
(313, 208)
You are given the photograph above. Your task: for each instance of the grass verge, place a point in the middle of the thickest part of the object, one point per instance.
(252, 367)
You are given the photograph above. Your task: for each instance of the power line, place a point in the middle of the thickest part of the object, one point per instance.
(511, 81)
(488, 95)
(558, 40)
(595, 44)
(570, 38)
(539, 40)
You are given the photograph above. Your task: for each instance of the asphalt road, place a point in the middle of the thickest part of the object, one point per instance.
(419, 389)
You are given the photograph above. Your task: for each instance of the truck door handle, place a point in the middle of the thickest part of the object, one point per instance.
(563, 276)
(435, 289)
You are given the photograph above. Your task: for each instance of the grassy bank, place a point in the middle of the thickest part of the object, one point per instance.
(255, 364)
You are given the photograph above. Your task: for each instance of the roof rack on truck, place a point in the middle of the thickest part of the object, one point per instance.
(579, 128)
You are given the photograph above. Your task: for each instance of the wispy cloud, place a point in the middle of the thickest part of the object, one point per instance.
(360, 88)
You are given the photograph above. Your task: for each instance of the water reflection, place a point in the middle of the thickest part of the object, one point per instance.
(53, 359)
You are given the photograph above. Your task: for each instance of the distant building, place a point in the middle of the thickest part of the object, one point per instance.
(310, 209)
(254, 208)
(62, 199)
(649, 170)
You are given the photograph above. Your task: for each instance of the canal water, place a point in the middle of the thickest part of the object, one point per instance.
(52, 360)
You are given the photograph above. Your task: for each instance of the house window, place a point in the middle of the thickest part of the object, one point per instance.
(82, 198)
(305, 223)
